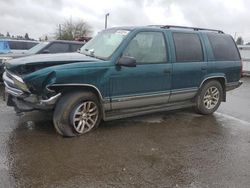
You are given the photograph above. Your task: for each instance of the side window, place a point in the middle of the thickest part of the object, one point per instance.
(223, 46)
(147, 47)
(187, 47)
(58, 48)
(17, 45)
(75, 47)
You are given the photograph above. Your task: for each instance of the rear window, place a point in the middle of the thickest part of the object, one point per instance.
(223, 46)
(188, 47)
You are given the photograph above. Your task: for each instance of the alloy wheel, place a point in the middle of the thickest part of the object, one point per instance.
(211, 97)
(85, 117)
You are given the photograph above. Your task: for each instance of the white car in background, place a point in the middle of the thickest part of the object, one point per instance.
(245, 55)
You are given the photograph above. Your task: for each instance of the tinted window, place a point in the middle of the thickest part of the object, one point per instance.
(223, 46)
(58, 48)
(147, 47)
(75, 47)
(188, 47)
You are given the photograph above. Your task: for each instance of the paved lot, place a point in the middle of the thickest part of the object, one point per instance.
(170, 149)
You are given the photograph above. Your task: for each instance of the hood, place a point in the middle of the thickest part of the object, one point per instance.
(12, 55)
(33, 63)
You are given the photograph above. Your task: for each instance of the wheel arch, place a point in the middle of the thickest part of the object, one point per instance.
(221, 79)
(62, 88)
(67, 87)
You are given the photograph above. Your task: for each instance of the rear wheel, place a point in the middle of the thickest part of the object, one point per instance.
(209, 98)
(77, 113)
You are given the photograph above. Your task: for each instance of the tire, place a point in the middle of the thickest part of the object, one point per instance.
(209, 97)
(77, 113)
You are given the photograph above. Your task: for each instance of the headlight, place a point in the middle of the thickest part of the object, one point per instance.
(18, 81)
(21, 85)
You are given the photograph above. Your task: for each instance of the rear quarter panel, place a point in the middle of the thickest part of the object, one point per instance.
(231, 70)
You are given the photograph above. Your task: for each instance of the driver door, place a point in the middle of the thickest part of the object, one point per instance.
(149, 82)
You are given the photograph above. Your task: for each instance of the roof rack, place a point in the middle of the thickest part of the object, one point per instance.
(184, 27)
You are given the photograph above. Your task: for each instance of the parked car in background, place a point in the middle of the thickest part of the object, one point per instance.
(57, 46)
(10, 48)
(19, 46)
(126, 71)
(4, 47)
(245, 55)
(53, 47)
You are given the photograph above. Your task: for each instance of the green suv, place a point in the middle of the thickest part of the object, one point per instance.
(124, 72)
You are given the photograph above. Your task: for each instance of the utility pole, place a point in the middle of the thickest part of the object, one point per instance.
(106, 20)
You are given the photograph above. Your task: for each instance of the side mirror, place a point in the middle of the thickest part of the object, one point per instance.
(45, 52)
(127, 61)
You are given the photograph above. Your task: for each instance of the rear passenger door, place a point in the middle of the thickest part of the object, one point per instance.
(189, 65)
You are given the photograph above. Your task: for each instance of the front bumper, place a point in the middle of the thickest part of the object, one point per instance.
(18, 95)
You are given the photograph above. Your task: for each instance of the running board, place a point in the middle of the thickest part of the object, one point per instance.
(125, 113)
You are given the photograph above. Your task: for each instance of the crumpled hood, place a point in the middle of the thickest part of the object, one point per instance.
(32, 63)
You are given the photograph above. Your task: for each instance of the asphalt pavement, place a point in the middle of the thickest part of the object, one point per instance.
(170, 149)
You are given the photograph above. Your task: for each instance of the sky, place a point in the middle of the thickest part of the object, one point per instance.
(42, 17)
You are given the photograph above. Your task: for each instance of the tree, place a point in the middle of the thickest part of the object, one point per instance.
(8, 34)
(70, 30)
(46, 38)
(239, 41)
(26, 36)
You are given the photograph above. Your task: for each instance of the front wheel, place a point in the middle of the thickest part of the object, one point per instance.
(209, 98)
(77, 113)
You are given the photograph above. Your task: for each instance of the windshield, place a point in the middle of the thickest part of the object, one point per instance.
(104, 44)
(37, 48)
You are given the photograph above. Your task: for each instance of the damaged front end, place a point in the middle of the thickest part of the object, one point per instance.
(18, 95)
